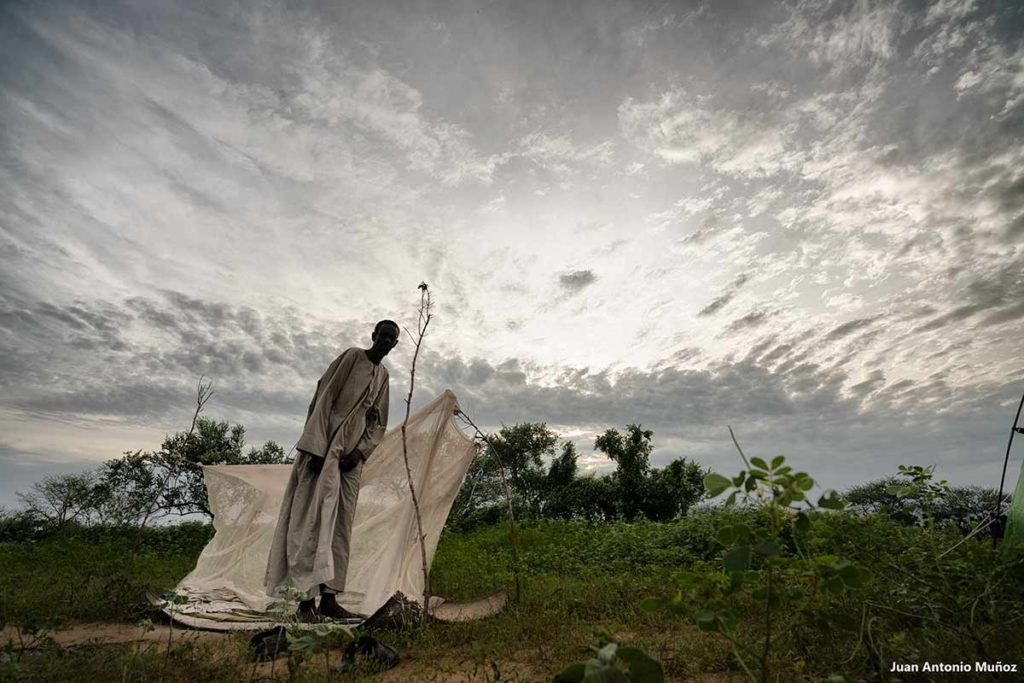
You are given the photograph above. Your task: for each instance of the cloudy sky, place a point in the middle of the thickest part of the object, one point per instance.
(804, 220)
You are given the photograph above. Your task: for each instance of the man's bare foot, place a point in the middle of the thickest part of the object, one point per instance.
(306, 614)
(330, 609)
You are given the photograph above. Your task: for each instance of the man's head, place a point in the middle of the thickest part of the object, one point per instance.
(385, 336)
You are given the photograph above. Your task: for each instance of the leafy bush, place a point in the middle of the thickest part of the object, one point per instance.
(21, 525)
(912, 498)
(633, 491)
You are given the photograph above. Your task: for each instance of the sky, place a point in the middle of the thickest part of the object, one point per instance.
(803, 220)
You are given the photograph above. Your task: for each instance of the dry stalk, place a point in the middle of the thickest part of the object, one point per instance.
(421, 329)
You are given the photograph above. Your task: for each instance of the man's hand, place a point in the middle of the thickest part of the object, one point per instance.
(314, 462)
(351, 460)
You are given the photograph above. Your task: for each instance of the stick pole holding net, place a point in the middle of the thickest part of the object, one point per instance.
(1006, 461)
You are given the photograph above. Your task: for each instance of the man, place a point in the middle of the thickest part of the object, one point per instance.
(346, 420)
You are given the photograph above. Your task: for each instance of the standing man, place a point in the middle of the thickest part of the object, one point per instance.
(347, 418)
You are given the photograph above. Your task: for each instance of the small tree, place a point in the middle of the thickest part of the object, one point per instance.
(631, 452)
(559, 481)
(129, 488)
(593, 498)
(671, 491)
(61, 499)
(425, 316)
(212, 442)
(170, 481)
(522, 448)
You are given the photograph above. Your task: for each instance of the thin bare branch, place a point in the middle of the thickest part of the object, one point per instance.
(424, 320)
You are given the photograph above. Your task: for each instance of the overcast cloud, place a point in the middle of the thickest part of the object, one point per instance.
(801, 219)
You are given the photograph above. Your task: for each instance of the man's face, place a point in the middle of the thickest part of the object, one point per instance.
(387, 337)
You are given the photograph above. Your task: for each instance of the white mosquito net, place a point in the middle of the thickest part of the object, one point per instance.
(227, 583)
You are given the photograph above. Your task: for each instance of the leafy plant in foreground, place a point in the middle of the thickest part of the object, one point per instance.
(305, 641)
(770, 564)
(612, 663)
(919, 493)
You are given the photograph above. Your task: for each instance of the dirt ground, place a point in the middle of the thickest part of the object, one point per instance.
(453, 669)
(96, 634)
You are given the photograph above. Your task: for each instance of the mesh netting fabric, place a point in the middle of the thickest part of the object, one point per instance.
(385, 554)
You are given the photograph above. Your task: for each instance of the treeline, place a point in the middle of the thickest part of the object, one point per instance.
(635, 490)
(542, 474)
(556, 490)
(138, 488)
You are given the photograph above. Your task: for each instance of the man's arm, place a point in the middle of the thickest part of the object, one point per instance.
(312, 402)
(314, 439)
(376, 424)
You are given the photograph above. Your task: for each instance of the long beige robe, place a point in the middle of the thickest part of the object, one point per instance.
(314, 528)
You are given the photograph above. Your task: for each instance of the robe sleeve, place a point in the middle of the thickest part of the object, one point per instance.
(312, 401)
(314, 435)
(376, 423)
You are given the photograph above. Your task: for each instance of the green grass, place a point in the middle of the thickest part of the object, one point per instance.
(90, 575)
(574, 576)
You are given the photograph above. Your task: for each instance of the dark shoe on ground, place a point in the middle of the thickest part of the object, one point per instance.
(330, 609)
(265, 646)
(307, 614)
(379, 656)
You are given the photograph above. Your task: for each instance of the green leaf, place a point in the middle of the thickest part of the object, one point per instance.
(642, 668)
(737, 559)
(805, 483)
(715, 484)
(607, 653)
(726, 536)
(851, 575)
(654, 604)
(731, 500)
(802, 522)
(833, 584)
(832, 501)
(726, 619)
(573, 673)
(680, 608)
(768, 549)
(596, 671)
(838, 678)
(706, 621)
(844, 621)
(777, 460)
(758, 462)
(742, 533)
(751, 484)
